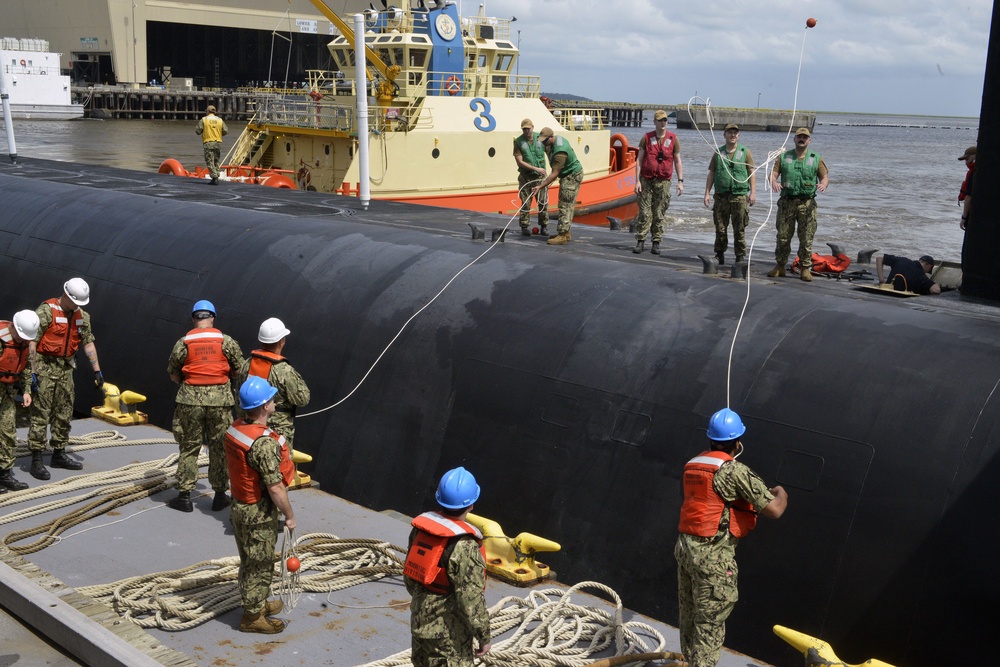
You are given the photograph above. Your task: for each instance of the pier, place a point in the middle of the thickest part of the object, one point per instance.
(156, 103)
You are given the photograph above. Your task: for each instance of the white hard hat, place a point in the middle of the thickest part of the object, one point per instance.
(78, 291)
(26, 324)
(272, 330)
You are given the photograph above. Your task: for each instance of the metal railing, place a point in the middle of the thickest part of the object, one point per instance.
(310, 114)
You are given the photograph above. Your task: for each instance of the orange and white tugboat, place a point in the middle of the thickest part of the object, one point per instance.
(448, 105)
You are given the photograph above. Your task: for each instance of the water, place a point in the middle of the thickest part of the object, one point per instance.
(892, 188)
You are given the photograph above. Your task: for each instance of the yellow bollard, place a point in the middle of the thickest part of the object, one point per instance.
(301, 479)
(118, 407)
(513, 560)
(817, 652)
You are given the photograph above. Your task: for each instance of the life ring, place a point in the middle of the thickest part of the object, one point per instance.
(23, 63)
(453, 85)
(276, 180)
(317, 96)
(172, 166)
(619, 151)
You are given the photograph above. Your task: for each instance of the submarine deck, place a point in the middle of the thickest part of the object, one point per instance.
(360, 624)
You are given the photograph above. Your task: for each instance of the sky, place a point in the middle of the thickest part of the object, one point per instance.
(920, 57)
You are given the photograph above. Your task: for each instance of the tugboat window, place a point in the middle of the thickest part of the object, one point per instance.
(492, 151)
(435, 153)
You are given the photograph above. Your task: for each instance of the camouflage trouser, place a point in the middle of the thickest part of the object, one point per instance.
(52, 405)
(654, 200)
(8, 427)
(706, 595)
(524, 184)
(792, 213)
(194, 426)
(256, 534)
(731, 208)
(441, 652)
(569, 186)
(213, 153)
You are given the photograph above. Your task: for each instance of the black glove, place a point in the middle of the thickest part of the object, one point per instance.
(99, 379)
(34, 383)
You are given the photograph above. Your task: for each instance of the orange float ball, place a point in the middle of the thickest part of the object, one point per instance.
(810, 23)
(293, 564)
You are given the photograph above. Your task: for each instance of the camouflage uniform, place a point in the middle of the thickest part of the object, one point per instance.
(256, 528)
(569, 186)
(524, 184)
(792, 212)
(292, 393)
(201, 416)
(654, 200)
(443, 626)
(213, 148)
(707, 573)
(52, 405)
(8, 418)
(730, 207)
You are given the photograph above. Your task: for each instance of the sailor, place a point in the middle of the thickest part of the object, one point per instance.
(445, 572)
(965, 192)
(907, 274)
(529, 154)
(202, 363)
(802, 174)
(659, 156)
(722, 498)
(269, 364)
(567, 168)
(260, 468)
(731, 172)
(212, 129)
(15, 387)
(63, 328)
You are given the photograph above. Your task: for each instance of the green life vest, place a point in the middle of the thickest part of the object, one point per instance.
(798, 177)
(572, 165)
(731, 176)
(532, 152)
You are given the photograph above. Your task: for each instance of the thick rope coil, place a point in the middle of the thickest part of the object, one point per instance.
(552, 631)
(97, 440)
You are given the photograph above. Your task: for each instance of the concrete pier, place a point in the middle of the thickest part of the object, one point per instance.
(769, 120)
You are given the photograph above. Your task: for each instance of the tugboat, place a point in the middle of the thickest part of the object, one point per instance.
(448, 105)
(38, 89)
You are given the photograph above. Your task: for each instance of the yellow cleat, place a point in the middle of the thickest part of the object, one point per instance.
(817, 652)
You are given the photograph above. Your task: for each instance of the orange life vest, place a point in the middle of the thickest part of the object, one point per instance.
(702, 511)
(13, 357)
(261, 362)
(206, 364)
(244, 481)
(62, 336)
(423, 560)
(826, 263)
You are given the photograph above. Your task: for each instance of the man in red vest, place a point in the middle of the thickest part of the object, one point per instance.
(445, 572)
(722, 498)
(64, 328)
(202, 363)
(659, 158)
(260, 471)
(15, 387)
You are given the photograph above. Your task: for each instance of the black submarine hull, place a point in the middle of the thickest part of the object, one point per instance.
(574, 384)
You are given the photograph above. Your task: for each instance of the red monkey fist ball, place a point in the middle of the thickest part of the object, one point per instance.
(810, 23)
(293, 564)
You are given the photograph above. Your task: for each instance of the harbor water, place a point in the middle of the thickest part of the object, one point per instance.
(894, 180)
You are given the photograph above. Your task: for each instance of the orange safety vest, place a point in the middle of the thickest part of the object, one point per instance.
(702, 511)
(244, 481)
(13, 357)
(205, 364)
(652, 165)
(261, 362)
(424, 559)
(62, 336)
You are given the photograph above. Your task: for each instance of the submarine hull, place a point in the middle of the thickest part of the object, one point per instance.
(575, 384)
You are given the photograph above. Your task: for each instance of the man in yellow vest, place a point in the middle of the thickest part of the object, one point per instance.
(212, 129)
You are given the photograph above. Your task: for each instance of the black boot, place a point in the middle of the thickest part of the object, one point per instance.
(182, 502)
(543, 229)
(7, 481)
(639, 245)
(38, 470)
(525, 231)
(60, 460)
(721, 257)
(220, 502)
(656, 248)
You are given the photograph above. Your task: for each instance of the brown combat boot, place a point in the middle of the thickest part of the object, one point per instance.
(261, 624)
(806, 275)
(273, 607)
(560, 239)
(776, 272)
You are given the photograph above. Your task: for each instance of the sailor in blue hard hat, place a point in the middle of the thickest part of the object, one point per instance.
(445, 573)
(722, 498)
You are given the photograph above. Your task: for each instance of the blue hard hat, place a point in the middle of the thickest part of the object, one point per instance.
(255, 392)
(203, 305)
(457, 490)
(725, 425)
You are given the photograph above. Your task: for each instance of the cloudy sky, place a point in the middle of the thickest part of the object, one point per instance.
(879, 56)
